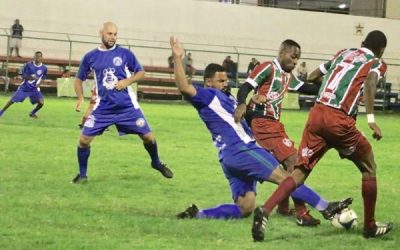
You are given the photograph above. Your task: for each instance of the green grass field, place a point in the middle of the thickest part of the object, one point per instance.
(127, 205)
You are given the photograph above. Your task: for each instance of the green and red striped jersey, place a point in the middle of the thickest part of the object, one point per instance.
(271, 80)
(344, 75)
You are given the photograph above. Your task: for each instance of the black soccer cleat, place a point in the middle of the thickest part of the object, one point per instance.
(189, 213)
(379, 230)
(335, 207)
(33, 116)
(259, 223)
(80, 179)
(164, 170)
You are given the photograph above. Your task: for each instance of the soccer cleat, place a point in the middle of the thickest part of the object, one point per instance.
(80, 179)
(80, 126)
(306, 220)
(1, 112)
(288, 212)
(379, 230)
(259, 224)
(34, 116)
(164, 170)
(335, 207)
(189, 213)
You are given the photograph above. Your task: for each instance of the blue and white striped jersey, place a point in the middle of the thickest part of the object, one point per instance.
(216, 109)
(31, 69)
(110, 66)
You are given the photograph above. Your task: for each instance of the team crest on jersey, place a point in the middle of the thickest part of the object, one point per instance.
(287, 142)
(272, 96)
(109, 79)
(39, 72)
(140, 122)
(117, 61)
(306, 152)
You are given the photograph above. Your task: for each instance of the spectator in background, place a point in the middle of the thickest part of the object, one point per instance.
(171, 62)
(302, 71)
(230, 67)
(188, 64)
(16, 37)
(253, 63)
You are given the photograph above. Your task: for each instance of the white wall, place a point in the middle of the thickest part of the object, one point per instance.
(319, 34)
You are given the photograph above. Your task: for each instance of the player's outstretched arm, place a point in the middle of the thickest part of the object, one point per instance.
(79, 93)
(369, 98)
(180, 76)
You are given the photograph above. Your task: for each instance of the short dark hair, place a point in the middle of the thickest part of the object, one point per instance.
(38, 52)
(375, 41)
(211, 69)
(290, 43)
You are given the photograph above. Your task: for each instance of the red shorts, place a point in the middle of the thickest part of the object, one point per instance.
(330, 128)
(271, 135)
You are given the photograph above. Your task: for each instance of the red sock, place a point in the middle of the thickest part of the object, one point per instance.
(283, 206)
(282, 192)
(369, 193)
(300, 206)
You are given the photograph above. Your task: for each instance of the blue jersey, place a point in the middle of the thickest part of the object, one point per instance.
(216, 109)
(30, 69)
(110, 66)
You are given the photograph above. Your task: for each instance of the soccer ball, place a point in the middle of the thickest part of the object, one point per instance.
(346, 219)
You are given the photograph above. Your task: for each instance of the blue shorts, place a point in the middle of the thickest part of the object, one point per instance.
(131, 122)
(20, 95)
(245, 168)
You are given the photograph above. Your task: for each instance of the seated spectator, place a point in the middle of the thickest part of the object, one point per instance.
(188, 65)
(253, 63)
(230, 67)
(302, 71)
(171, 62)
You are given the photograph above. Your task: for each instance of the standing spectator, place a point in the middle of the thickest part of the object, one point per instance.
(188, 64)
(32, 74)
(16, 37)
(115, 69)
(302, 71)
(230, 67)
(253, 63)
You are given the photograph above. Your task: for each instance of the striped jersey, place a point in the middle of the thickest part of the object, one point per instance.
(271, 80)
(344, 76)
(31, 69)
(216, 109)
(108, 67)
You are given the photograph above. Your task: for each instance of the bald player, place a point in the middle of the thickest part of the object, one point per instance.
(114, 68)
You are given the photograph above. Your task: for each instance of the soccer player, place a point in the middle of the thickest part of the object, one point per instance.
(242, 160)
(115, 68)
(348, 77)
(271, 80)
(33, 73)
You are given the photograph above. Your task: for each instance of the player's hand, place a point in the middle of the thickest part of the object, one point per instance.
(259, 99)
(79, 104)
(122, 84)
(240, 112)
(377, 133)
(177, 48)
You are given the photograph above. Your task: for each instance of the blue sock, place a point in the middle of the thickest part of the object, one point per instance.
(224, 211)
(309, 196)
(83, 156)
(153, 152)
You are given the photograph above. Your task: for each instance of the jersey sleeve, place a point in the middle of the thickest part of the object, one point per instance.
(202, 98)
(25, 71)
(327, 65)
(44, 75)
(380, 68)
(84, 69)
(294, 83)
(132, 63)
(260, 74)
